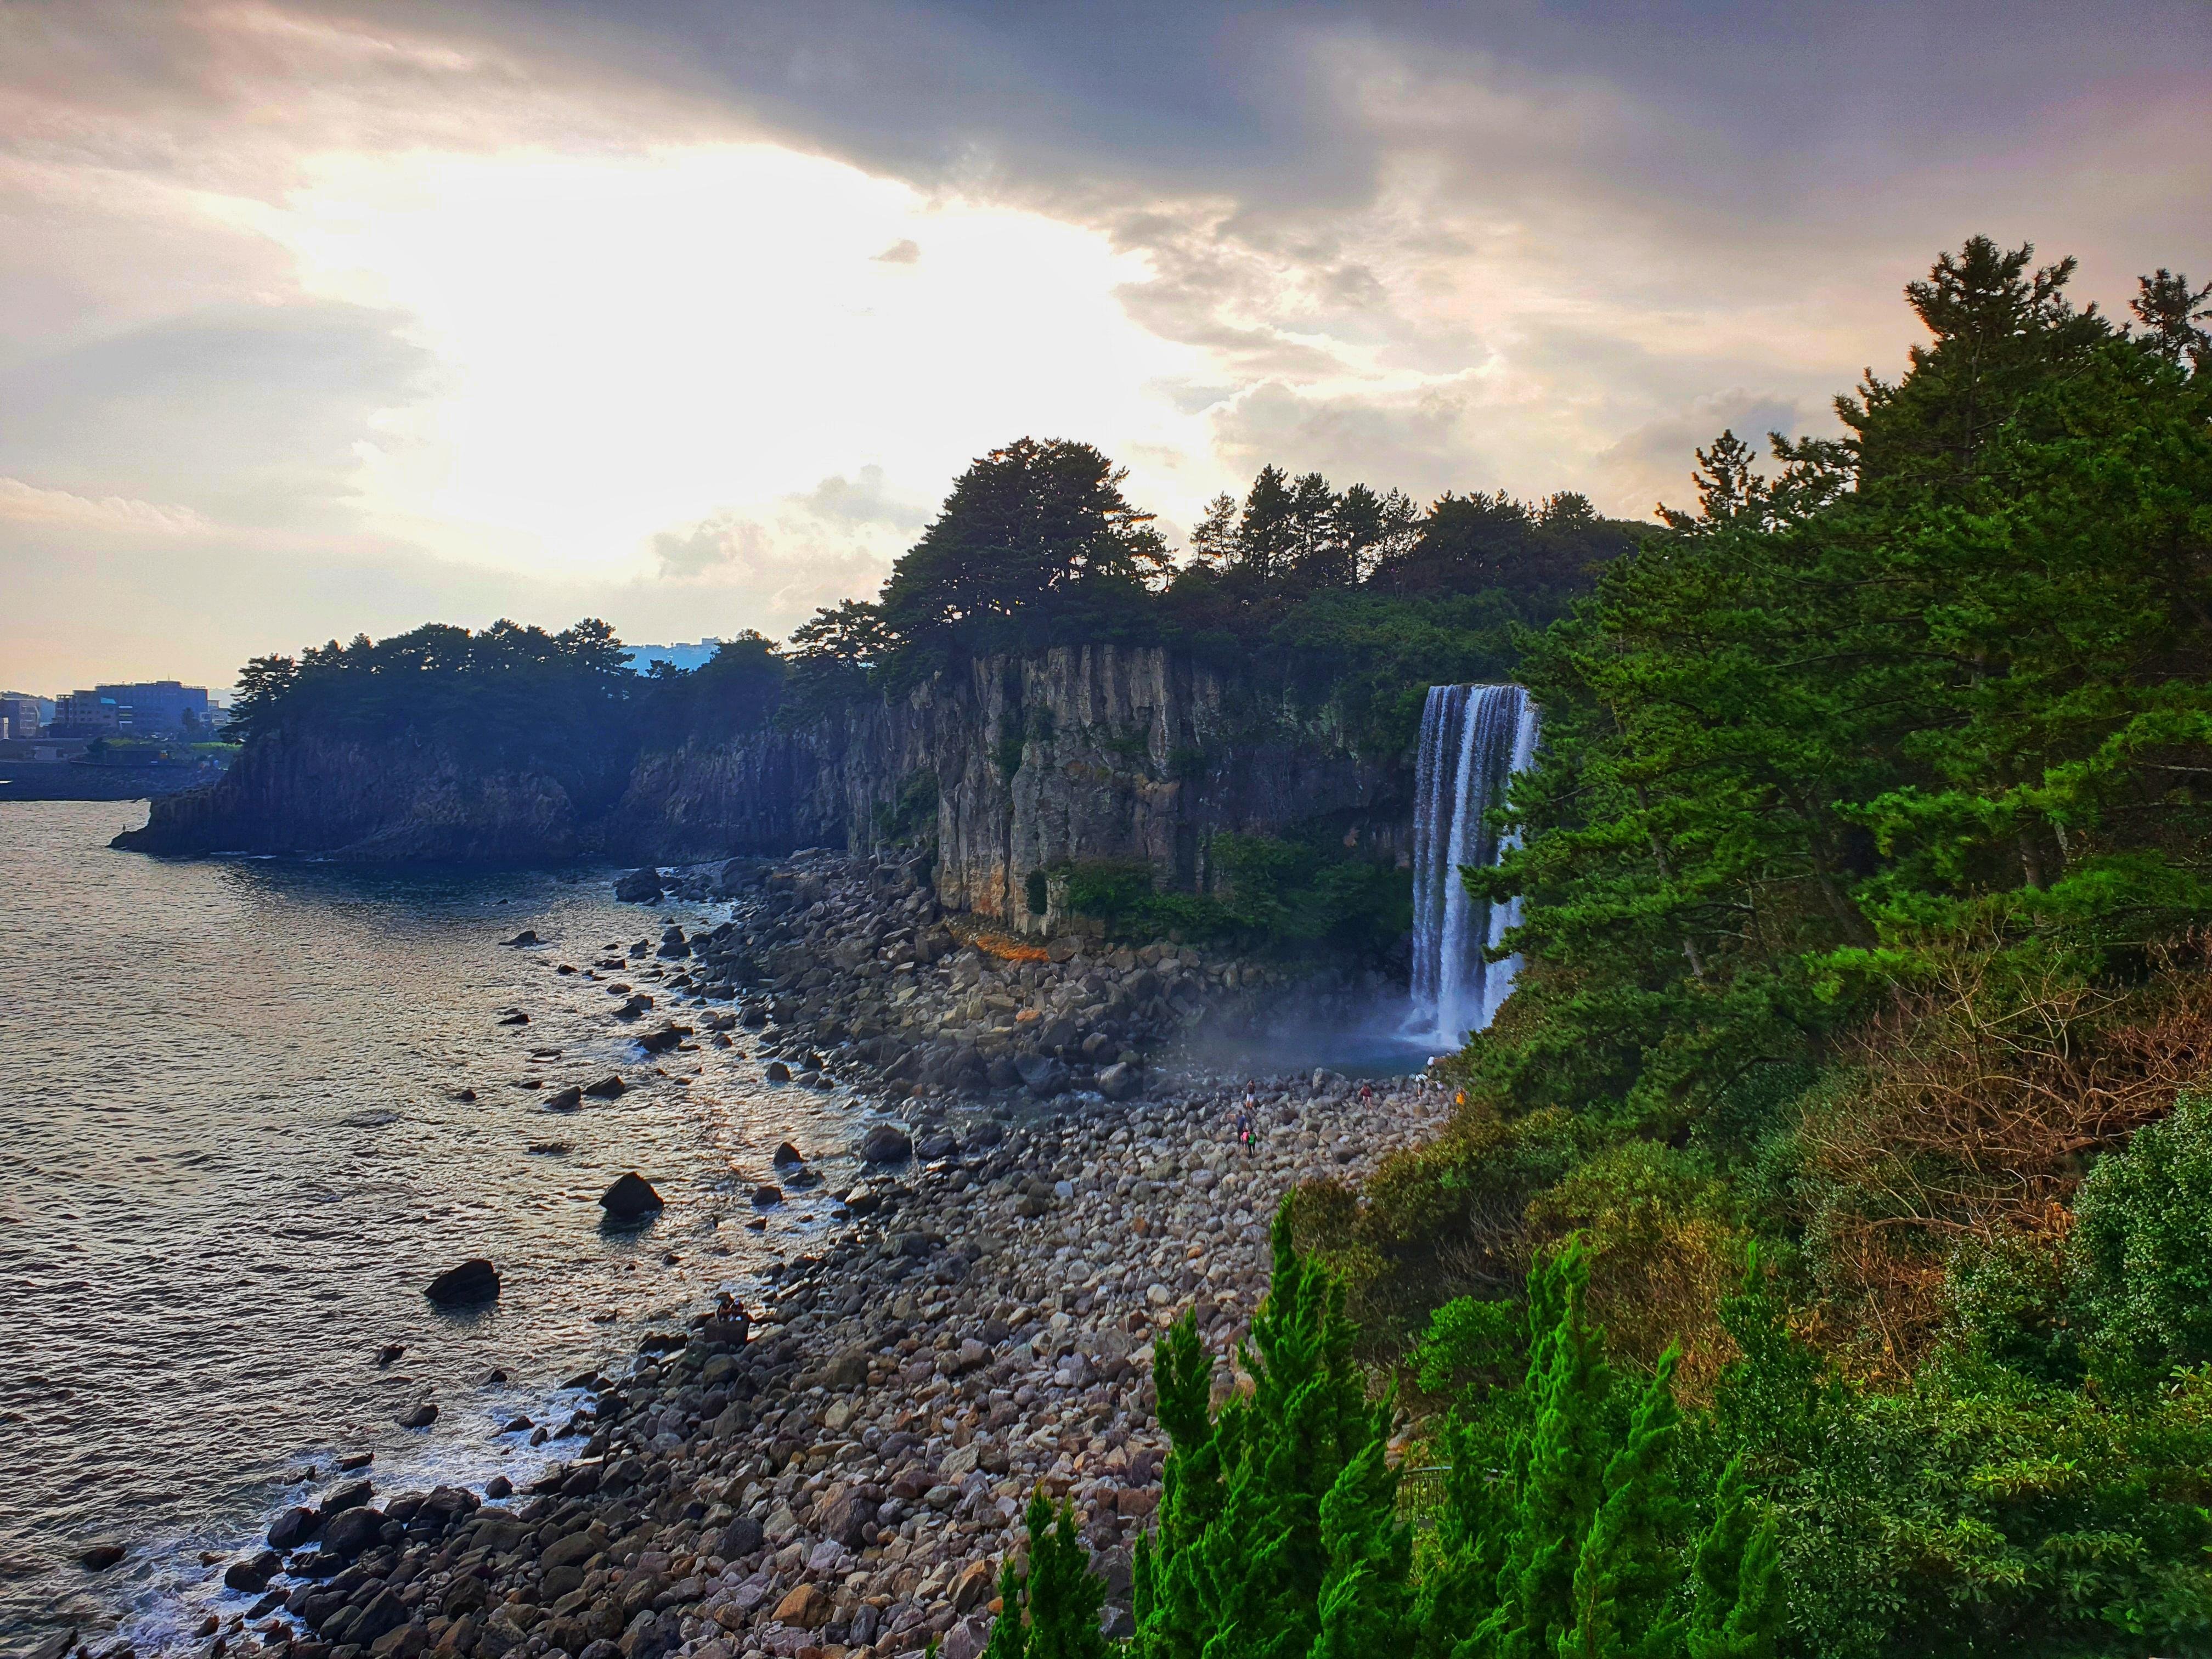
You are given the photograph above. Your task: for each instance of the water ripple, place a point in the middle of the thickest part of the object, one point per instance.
(231, 1155)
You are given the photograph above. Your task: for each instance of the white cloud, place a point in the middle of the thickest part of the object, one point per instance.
(833, 542)
(22, 503)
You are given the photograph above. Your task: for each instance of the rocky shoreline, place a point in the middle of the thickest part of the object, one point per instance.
(840, 1469)
(854, 970)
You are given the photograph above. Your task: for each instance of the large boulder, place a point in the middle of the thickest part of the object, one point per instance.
(606, 1088)
(351, 1531)
(885, 1144)
(843, 1519)
(630, 1198)
(352, 1495)
(252, 1573)
(638, 887)
(293, 1528)
(474, 1281)
(1120, 1081)
(1042, 1076)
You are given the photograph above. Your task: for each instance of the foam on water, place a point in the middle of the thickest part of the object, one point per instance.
(231, 1157)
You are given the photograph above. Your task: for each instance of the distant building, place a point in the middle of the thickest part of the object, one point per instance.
(144, 708)
(161, 707)
(86, 715)
(21, 716)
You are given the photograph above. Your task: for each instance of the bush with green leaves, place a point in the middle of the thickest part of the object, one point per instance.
(2141, 1250)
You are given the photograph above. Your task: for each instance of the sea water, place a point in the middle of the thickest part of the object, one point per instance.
(233, 1154)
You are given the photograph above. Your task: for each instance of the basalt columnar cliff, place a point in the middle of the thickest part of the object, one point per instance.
(1009, 765)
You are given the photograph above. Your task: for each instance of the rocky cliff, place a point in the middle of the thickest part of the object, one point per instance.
(1009, 765)
(388, 802)
(1015, 764)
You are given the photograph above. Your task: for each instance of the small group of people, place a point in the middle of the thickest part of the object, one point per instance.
(1247, 1129)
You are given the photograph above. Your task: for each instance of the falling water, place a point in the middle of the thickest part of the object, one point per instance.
(1474, 737)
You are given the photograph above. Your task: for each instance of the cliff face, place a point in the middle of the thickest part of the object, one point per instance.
(394, 802)
(1079, 752)
(1017, 764)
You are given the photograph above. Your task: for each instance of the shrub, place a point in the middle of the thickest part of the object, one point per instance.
(2141, 1250)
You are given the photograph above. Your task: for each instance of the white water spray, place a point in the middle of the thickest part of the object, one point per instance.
(1474, 737)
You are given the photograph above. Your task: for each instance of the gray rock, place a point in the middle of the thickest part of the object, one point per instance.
(777, 1071)
(1042, 1076)
(629, 1198)
(475, 1281)
(353, 1531)
(418, 1417)
(606, 1088)
(638, 887)
(100, 1556)
(1120, 1081)
(350, 1495)
(885, 1144)
(293, 1528)
(251, 1574)
(565, 1100)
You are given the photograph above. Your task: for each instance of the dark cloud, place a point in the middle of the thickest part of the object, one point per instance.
(1528, 243)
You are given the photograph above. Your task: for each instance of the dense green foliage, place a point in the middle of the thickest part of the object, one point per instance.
(1351, 601)
(564, 704)
(1562, 1533)
(1947, 677)
(1268, 894)
(1865, 888)
(1050, 1610)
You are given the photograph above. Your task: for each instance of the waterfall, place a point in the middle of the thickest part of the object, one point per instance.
(1473, 738)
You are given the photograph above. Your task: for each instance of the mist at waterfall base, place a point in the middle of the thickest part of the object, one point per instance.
(1473, 739)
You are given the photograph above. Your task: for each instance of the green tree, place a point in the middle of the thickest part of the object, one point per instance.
(2173, 314)
(2140, 1251)
(1948, 674)
(1737, 1612)
(1051, 1610)
(1277, 1515)
(1025, 532)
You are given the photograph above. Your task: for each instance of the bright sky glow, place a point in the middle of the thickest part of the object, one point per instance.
(326, 316)
(622, 344)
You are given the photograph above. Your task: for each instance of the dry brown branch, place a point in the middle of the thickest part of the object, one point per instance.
(1969, 1110)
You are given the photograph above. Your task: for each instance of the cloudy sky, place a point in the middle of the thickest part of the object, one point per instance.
(325, 318)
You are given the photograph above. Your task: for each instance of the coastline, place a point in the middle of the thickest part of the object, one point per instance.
(975, 1320)
(848, 1481)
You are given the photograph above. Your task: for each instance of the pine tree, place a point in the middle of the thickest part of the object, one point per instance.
(1738, 1610)
(1278, 1520)
(2173, 314)
(1051, 1611)
(1627, 1567)
(1267, 535)
(1556, 1470)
